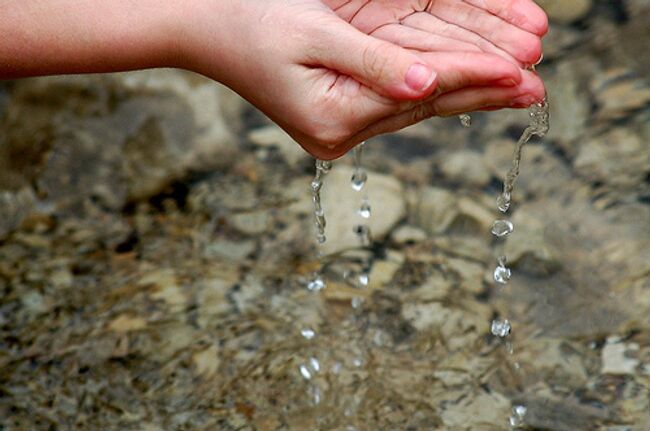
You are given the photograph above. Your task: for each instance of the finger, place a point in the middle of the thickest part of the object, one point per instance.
(471, 69)
(529, 91)
(385, 67)
(426, 22)
(413, 38)
(522, 13)
(524, 46)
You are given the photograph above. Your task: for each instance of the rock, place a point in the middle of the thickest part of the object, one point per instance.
(408, 234)
(618, 92)
(230, 250)
(14, 207)
(479, 411)
(466, 167)
(527, 248)
(619, 158)
(206, 362)
(559, 40)
(274, 136)
(166, 288)
(212, 299)
(253, 223)
(440, 211)
(615, 359)
(565, 11)
(341, 204)
(127, 323)
(570, 101)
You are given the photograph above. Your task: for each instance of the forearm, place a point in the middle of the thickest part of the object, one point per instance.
(42, 37)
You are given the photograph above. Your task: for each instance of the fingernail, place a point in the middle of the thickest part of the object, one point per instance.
(507, 82)
(522, 101)
(419, 77)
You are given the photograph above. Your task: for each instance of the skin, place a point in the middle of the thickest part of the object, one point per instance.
(332, 73)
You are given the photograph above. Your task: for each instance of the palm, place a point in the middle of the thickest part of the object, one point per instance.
(511, 29)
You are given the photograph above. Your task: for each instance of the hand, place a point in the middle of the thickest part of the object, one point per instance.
(511, 29)
(329, 85)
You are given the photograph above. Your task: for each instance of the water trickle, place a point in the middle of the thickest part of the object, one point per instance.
(516, 419)
(502, 273)
(322, 168)
(315, 365)
(500, 328)
(465, 120)
(539, 125)
(502, 228)
(308, 333)
(359, 175)
(364, 279)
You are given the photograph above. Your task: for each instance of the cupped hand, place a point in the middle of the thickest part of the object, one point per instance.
(329, 85)
(511, 29)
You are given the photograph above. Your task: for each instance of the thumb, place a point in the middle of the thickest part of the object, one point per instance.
(388, 69)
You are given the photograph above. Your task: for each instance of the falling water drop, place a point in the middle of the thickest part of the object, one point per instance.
(308, 333)
(365, 210)
(364, 279)
(304, 370)
(316, 284)
(516, 419)
(315, 365)
(500, 328)
(465, 120)
(359, 180)
(502, 273)
(502, 228)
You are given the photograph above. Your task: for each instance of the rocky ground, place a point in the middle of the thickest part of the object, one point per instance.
(156, 239)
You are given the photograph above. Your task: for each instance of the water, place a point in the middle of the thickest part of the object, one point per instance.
(322, 168)
(539, 125)
(365, 210)
(502, 274)
(516, 419)
(500, 328)
(502, 228)
(465, 120)
(316, 283)
(308, 333)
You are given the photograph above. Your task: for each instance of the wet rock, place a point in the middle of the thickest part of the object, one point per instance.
(408, 234)
(14, 207)
(274, 137)
(616, 357)
(439, 210)
(206, 362)
(528, 248)
(341, 204)
(477, 411)
(253, 223)
(466, 167)
(618, 92)
(619, 158)
(563, 415)
(231, 250)
(565, 11)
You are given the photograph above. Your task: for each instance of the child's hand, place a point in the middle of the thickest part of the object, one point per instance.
(511, 29)
(331, 86)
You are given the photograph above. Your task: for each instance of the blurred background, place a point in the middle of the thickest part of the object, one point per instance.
(156, 243)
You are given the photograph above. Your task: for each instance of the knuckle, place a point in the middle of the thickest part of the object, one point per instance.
(375, 60)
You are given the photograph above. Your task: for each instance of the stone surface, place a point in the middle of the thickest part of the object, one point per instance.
(466, 167)
(565, 11)
(341, 203)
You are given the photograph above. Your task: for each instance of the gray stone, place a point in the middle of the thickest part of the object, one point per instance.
(274, 136)
(565, 11)
(467, 167)
(341, 204)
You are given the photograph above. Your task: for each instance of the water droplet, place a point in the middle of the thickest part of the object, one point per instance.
(365, 210)
(308, 333)
(336, 367)
(321, 238)
(502, 274)
(362, 231)
(465, 120)
(502, 228)
(316, 394)
(503, 202)
(316, 185)
(516, 420)
(315, 365)
(359, 179)
(316, 284)
(500, 328)
(357, 362)
(305, 372)
(356, 302)
(364, 279)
